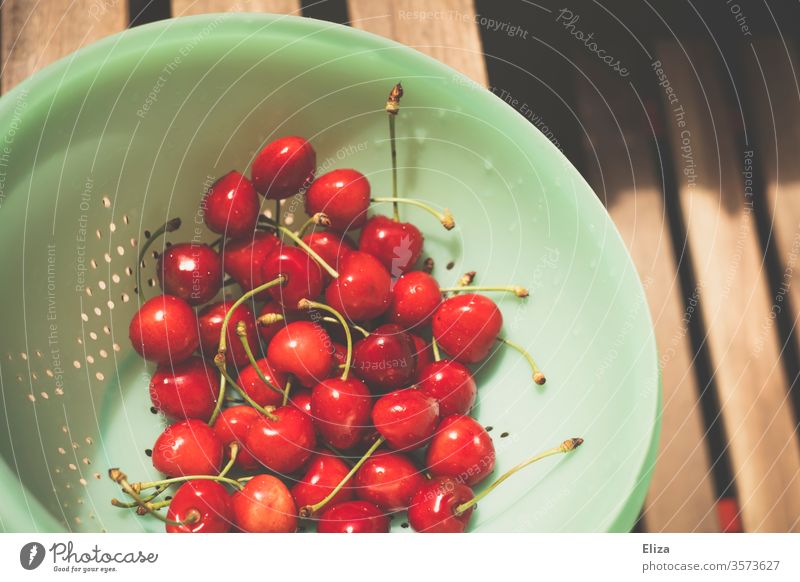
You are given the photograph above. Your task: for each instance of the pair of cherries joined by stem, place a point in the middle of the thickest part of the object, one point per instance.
(305, 390)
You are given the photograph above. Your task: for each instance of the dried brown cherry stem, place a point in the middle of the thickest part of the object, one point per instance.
(309, 510)
(565, 447)
(538, 376)
(445, 217)
(169, 226)
(121, 479)
(467, 278)
(392, 108)
(427, 265)
(269, 319)
(308, 304)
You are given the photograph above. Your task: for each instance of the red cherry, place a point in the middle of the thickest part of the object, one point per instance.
(323, 474)
(303, 276)
(343, 195)
(232, 425)
(385, 358)
(389, 480)
(353, 517)
(164, 330)
(466, 327)
(363, 289)
(251, 382)
(330, 246)
(231, 205)
(282, 445)
(243, 259)
(273, 307)
(424, 353)
(397, 245)
(210, 320)
(451, 385)
(264, 506)
(406, 418)
(339, 356)
(461, 449)
(301, 400)
(284, 167)
(188, 447)
(304, 349)
(206, 501)
(415, 297)
(341, 411)
(185, 390)
(190, 271)
(433, 507)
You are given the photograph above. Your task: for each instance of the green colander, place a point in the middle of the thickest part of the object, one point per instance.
(122, 135)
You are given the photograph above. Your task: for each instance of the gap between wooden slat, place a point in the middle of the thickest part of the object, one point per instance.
(36, 33)
(734, 298)
(190, 7)
(681, 496)
(445, 30)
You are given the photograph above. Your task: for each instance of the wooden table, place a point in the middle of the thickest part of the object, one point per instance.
(669, 157)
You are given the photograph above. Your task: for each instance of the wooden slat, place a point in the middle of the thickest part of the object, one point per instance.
(445, 30)
(189, 7)
(34, 34)
(734, 294)
(622, 171)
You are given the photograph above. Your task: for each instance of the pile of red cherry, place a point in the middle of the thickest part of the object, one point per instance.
(315, 395)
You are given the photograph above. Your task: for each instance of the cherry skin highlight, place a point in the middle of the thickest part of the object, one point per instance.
(284, 167)
(341, 411)
(243, 260)
(251, 382)
(415, 297)
(282, 445)
(389, 480)
(207, 501)
(188, 389)
(461, 449)
(353, 517)
(385, 359)
(343, 195)
(210, 321)
(466, 327)
(323, 474)
(188, 447)
(433, 507)
(190, 271)
(301, 400)
(232, 425)
(164, 330)
(304, 349)
(264, 506)
(303, 276)
(406, 418)
(397, 245)
(363, 289)
(231, 206)
(451, 385)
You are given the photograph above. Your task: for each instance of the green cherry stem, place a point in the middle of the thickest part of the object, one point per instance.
(358, 328)
(309, 510)
(444, 217)
(319, 219)
(435, 346)
(220, 362)
(174, 480)
(515, 289)
(234, 448)
(565, 447)
(121, 479)
(124, 505)
(169, 226)
(299, 242)
(286, 392)
(392, 108)
(538, 376)
(241, 331)
(308, 304)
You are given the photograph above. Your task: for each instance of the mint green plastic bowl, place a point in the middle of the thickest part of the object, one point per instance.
(125, 133)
